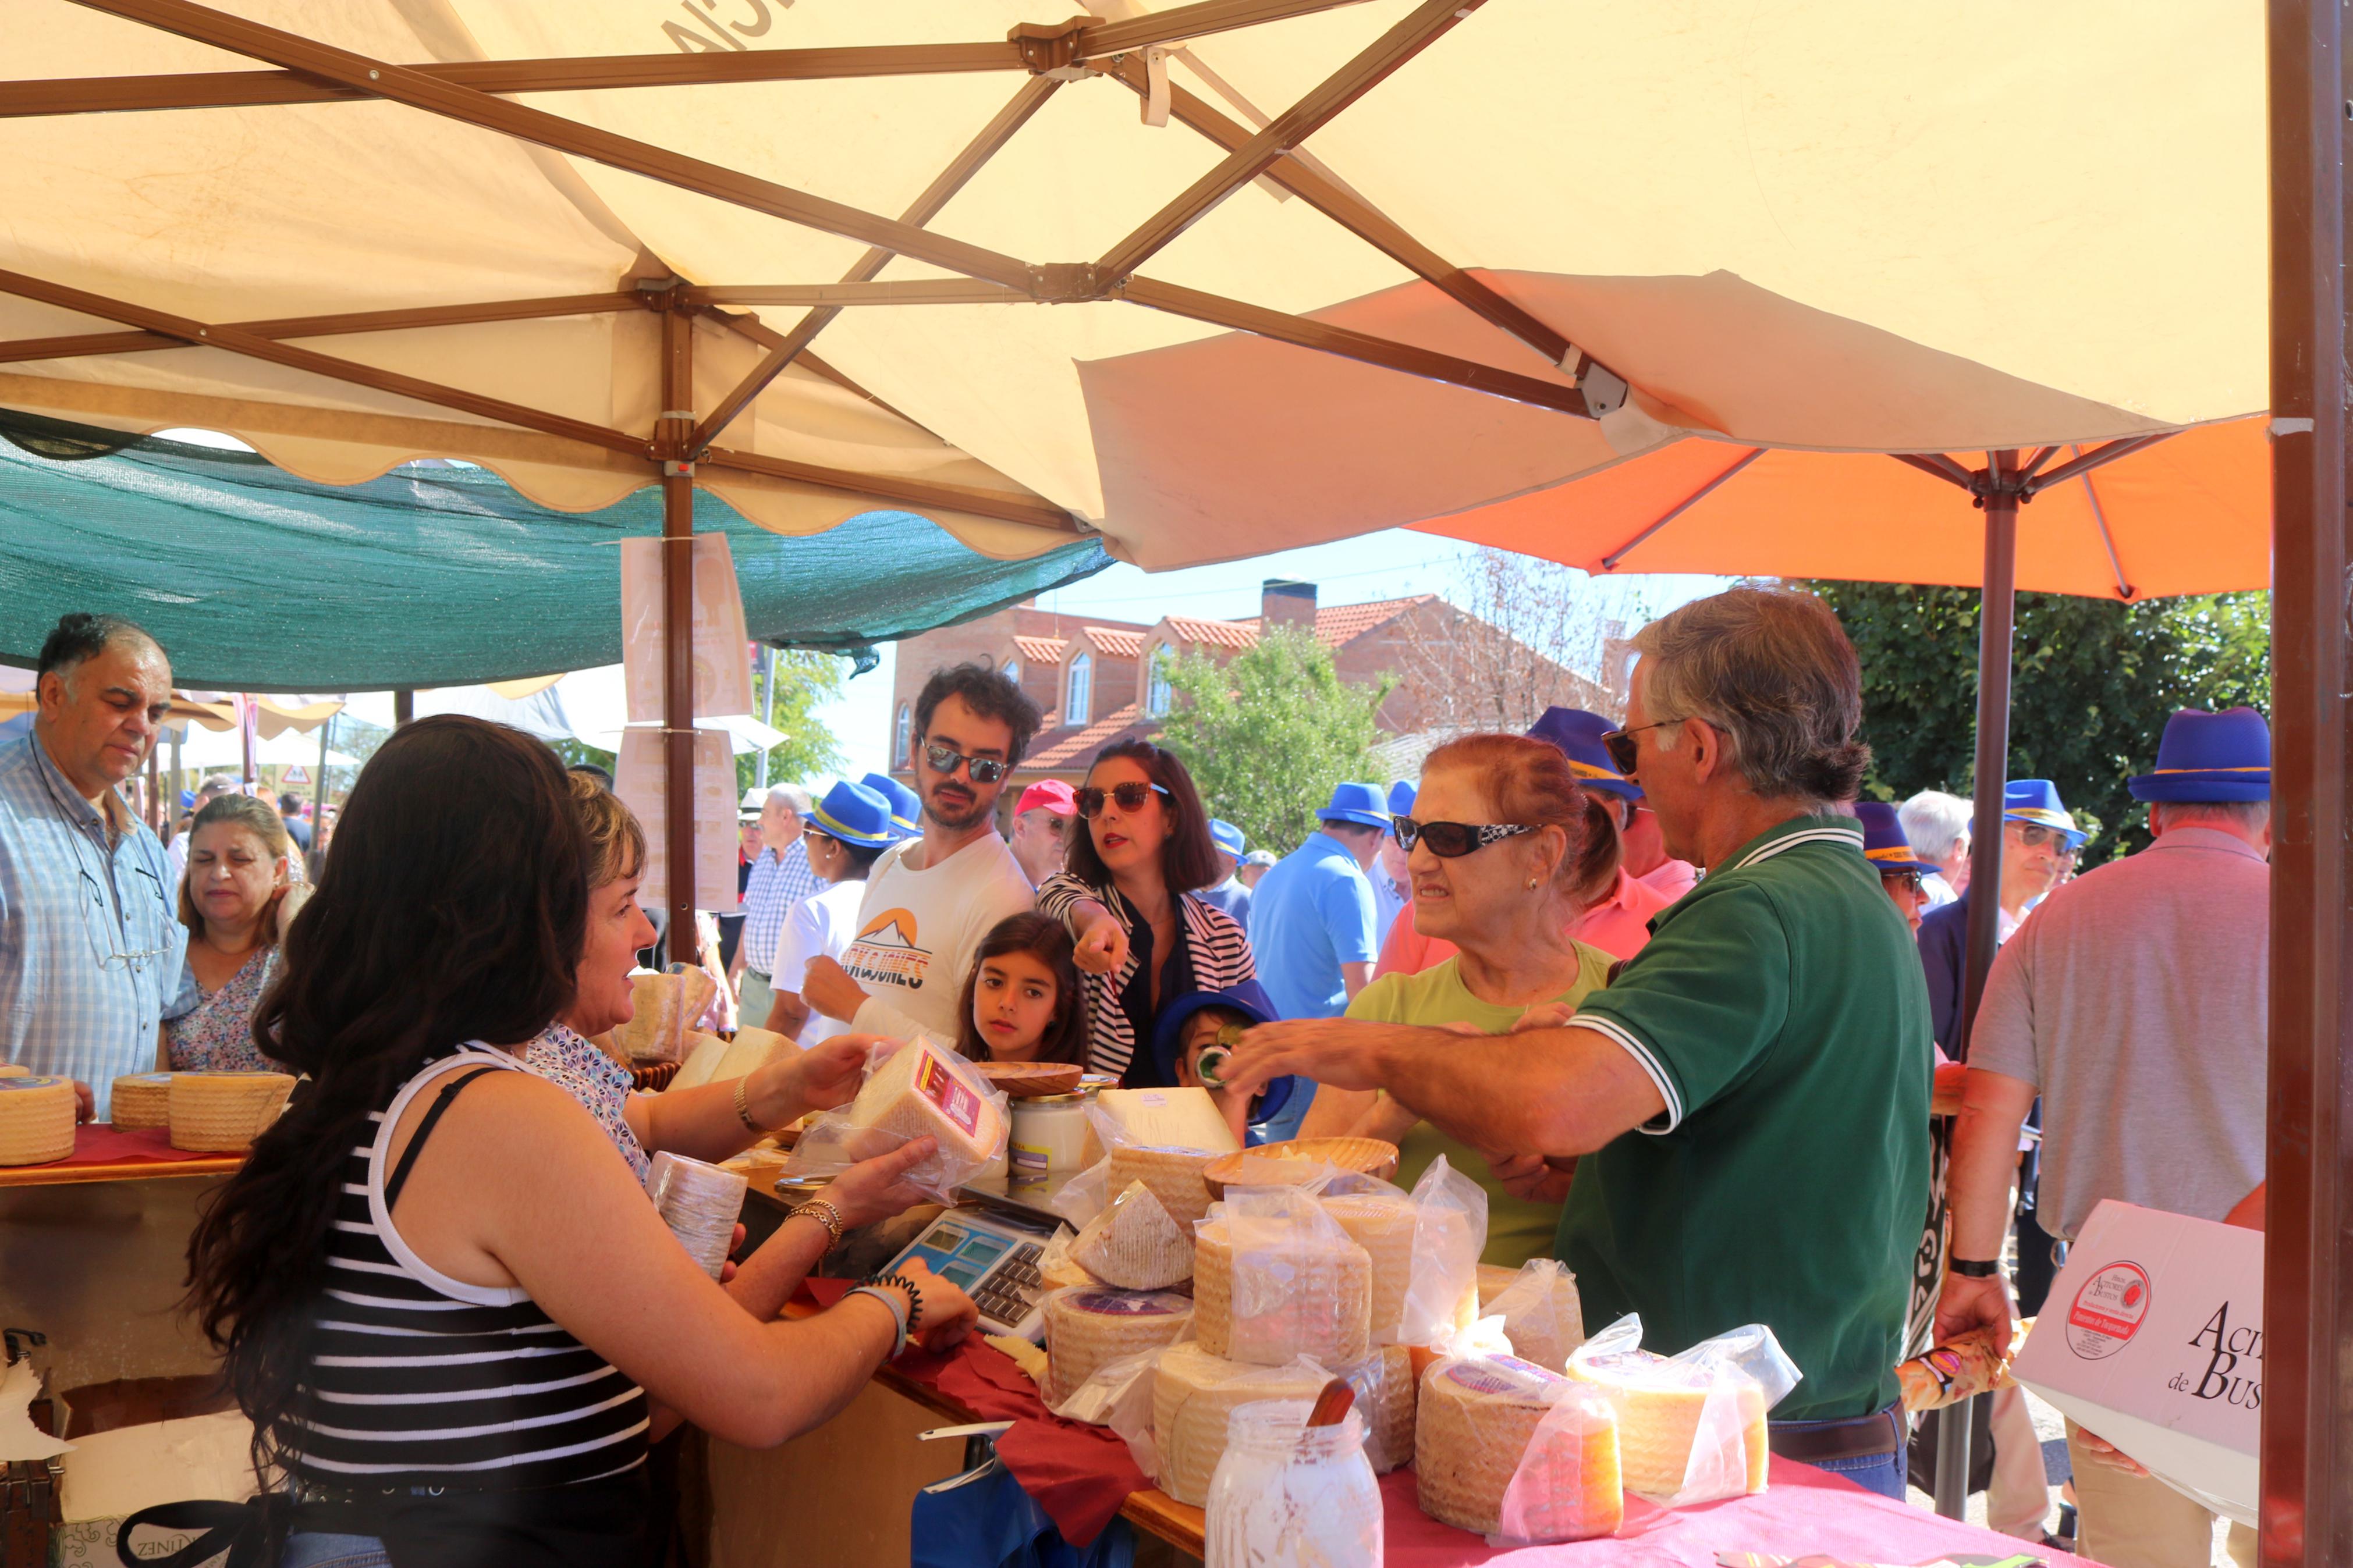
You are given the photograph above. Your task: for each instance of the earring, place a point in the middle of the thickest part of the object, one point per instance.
(1532, 884)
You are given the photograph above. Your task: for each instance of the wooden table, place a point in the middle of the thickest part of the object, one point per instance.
(63, 1175)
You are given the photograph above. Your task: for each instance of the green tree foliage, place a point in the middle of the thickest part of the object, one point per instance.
(1267, 735)
(804, 682)
(2092, 685)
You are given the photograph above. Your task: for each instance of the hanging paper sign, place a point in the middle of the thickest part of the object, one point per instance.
(723, 672)
(639, 778)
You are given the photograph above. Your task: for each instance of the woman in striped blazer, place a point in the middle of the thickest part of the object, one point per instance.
(1130, 899)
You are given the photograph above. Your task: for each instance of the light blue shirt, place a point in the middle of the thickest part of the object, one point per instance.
(1231, 897)
(92, 954)
(777, 882)
(1388, 903)
(1312, 912)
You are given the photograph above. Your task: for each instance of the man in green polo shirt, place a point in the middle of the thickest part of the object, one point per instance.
(1750, 1093)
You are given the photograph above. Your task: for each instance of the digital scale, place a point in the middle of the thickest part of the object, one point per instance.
(993, 1258)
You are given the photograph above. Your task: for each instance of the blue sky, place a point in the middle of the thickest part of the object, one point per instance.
(1385, 565)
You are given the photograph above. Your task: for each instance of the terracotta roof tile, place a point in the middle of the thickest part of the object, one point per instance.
(1117, 642)
(1223, 633)
(1069, 747)
(1041, 650)
(1346, 623)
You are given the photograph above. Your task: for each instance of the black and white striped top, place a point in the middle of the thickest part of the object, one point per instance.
(1217, 954)
(417, 1379)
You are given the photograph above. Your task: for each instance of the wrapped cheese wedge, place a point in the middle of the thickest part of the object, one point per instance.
(1134, 1244)
(1541, 1316)
(1691, 1428)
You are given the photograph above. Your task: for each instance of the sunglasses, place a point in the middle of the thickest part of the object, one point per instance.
(1451, 840)
(1620, 745)
(983, 770)
(1131, 797)
(1909, 882)
(2035, 836)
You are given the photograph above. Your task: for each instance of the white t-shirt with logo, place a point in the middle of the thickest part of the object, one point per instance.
(820, 926)
(918, 929)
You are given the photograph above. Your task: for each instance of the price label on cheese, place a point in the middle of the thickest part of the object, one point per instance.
(1129, 1303)
(1501, 1375)
(938, 1083)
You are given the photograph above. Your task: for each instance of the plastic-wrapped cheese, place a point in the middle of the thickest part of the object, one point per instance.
(1385, 1393)
(37, 1119)
(1193, 1392)
(139, 1100)
(1660, 1403)
(1086, 1328)
(1322, 1307)
(224, 1113)
(1134, 1244)
(1383, 1225)
(1541, 1316)
(924, 1091)
(1474, 1430)
(1173, 1175)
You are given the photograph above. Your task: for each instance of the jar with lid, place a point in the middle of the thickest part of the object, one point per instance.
(1292, 1495)
(1049, 1135)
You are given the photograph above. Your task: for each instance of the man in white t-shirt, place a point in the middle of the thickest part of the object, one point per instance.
(929, 902)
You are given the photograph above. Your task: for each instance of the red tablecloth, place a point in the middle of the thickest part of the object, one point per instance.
(97, 1143)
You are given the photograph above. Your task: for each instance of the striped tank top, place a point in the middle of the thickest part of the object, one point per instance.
(417, 1379)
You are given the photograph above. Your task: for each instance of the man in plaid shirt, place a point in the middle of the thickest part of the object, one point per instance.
(780, 879)
(92, 955)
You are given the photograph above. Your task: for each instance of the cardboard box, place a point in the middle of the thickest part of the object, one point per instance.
(2153, 1339)
(112, 1475)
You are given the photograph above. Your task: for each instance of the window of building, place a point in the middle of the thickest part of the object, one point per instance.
(899, 755)
(1158, 693)
(1012, 670)
(1074, 701)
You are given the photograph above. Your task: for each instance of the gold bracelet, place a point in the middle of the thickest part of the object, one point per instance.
(743, 1106)
(826, 1215)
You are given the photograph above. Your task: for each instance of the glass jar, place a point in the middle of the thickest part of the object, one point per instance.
(1287, 1495)
(1049, 1135)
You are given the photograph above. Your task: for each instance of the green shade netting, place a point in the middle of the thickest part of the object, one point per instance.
(254, 580)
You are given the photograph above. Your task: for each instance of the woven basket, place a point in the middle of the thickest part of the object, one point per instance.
(1294, 1162)
(1028, 1080)
(225, 1119)
(141, 1101)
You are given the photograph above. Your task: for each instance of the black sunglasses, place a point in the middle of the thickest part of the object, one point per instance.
(1620, 745)
(1909, 882)
(1131, 797)
(1449, 840)
(983, 770)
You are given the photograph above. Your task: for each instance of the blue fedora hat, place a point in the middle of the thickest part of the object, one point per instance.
(1250, 999)
(2037, 801)
(855, 814)
(1577, 736)
(906, 811)
(2209, 756)
(1361, 802)
(1884, 844)
(1402, 796)
(1228, 837)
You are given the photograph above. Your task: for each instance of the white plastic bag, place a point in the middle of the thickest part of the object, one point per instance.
(1566, 1484)
(1275, 1278)
(1449, 1233)
(1081, 1198)
(1541, 1313)
(912, 1088)
(1384, 1385)
(1707, 1403)
(1134, 1244)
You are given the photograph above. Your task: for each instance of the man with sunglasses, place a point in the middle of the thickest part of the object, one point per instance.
(1746, 1104)
(2039, 840)
(93, 956)
(931, 901)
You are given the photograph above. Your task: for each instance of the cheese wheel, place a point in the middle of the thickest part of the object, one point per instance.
(1174, 1118)
(1173, 1175)
(1543, 1318)
(1322, 1308)
(37, 1119)
(924, 1091)
(1383, 1226)
(1385, 1395)
(1084, 1329)
(224, 1113)
(15, 1070)
(141, 1100)
(1134, 1244)
(1473, 1429)
(1193, 1392)
(1659, 1405)
(1494, 1279)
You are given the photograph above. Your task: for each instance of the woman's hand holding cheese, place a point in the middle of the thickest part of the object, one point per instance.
(821, 1078)
(874, 1190)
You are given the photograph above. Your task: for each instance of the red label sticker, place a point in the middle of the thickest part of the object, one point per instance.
(937, 1082)
(2108, 1311)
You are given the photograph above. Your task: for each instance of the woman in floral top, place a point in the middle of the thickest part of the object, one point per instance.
(236, 900)
(709, 1122)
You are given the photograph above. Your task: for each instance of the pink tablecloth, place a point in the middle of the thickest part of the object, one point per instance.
(98, 1143)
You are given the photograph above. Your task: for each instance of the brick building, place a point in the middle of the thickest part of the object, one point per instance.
(1097, 681)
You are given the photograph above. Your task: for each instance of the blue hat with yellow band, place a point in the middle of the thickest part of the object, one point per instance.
(2224, 756)
(2036, 801)
(1401, 798)
(1885, 843)
(1364, 803)
(905, 809)
(855, 814)
(1577, 736)
(1228, 837)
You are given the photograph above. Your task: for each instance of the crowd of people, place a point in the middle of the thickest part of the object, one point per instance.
(1668, 989)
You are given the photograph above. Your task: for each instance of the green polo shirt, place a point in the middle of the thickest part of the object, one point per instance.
(1781, 1007)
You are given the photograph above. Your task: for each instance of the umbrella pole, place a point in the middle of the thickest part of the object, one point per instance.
(1996, 618)
(319, 784)
(678, 629)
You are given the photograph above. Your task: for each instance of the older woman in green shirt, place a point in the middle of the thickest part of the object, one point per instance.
(1503, 855)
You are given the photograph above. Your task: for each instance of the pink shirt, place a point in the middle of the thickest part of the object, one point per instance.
(1619, 926)
(1672, 878)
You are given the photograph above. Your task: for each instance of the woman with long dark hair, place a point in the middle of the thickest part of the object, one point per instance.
(1130, 899)
(453, 1316)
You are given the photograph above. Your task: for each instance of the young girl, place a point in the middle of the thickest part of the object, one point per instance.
(1021, 1000)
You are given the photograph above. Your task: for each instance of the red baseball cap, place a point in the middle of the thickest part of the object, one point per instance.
(1048, 794)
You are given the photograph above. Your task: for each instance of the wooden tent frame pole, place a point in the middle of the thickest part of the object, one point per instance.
(677, 470)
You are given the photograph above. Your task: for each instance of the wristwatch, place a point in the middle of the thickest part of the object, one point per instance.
(1975, 1268)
